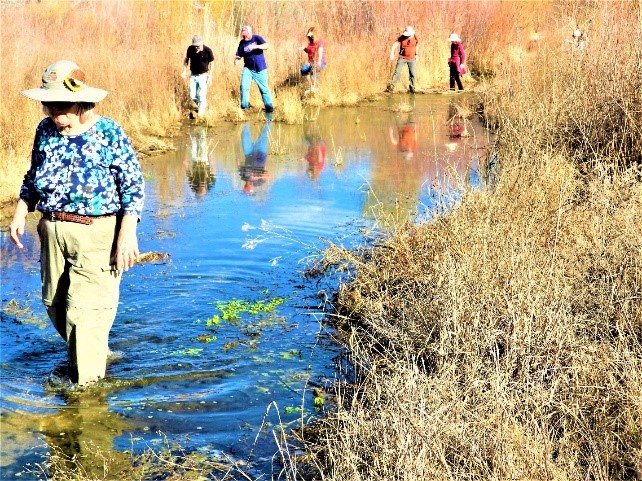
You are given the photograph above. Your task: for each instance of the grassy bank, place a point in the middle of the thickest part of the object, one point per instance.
(134, 49)
(503, 340)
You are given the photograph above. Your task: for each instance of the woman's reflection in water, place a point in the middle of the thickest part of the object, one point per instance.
(253, 172)
(80, 437)
(201, 171)
(456, 126)
(315, 156)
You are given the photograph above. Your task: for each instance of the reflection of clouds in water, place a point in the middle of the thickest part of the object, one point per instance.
(271, 230)
(451, 146)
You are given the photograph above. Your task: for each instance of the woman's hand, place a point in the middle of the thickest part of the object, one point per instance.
(127, 253)
(17, 226)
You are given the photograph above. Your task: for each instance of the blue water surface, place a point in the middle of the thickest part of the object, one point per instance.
(239, 213)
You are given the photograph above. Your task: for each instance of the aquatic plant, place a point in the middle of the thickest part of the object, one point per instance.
(161, 458)
(232, 310)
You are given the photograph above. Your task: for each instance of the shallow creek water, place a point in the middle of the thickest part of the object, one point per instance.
(223, 338)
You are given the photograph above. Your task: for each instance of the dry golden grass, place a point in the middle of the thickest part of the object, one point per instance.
(503, 339)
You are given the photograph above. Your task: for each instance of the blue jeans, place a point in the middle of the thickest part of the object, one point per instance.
(255, 152)
(313, 72)
(411, 72)
(261, 79)
(198, 91)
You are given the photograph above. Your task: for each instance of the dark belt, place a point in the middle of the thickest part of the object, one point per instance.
(69, 217)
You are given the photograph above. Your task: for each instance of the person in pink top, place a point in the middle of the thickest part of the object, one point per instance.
(316, 58)
(456, 61)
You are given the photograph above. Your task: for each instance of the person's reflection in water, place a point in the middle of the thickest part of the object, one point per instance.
(81, 436)
(455, 122)
(253, 171)
(406, 136)
(315, 156)
(201, 172)
(455, 125)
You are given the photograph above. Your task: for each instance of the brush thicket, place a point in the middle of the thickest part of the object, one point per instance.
(503, 339)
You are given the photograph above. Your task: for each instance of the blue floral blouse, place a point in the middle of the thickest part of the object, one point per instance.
(94, 173)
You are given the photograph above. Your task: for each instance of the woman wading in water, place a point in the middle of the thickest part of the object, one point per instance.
(86, 181)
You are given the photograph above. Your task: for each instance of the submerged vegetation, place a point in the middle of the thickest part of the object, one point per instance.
(500, 340)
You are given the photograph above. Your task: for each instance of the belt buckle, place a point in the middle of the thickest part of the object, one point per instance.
(54, 216)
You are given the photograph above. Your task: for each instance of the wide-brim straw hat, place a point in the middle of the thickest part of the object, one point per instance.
(454, 37)
(64, 81)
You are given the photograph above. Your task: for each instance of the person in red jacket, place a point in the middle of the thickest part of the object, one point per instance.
(317, 58)
(405, 50)
(456, 61)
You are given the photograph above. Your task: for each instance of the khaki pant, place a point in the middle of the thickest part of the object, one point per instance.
(80, 288)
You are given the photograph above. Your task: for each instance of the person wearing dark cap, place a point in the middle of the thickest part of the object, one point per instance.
(405, 51)
(251, 49)
(86, 181)
(198, 57)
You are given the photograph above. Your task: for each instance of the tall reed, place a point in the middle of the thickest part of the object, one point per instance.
(503, 339)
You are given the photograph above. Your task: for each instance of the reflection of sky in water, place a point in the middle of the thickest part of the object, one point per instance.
(324, 180)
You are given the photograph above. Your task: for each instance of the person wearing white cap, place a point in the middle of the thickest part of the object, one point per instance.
(456, 61)
(199, 57)
(251, 49)
(86, 181)
(579, 39)
(405, 51)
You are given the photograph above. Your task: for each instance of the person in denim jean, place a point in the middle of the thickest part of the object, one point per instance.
(199, 57)
(251, 49)
(405, 51)
(317, 58)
